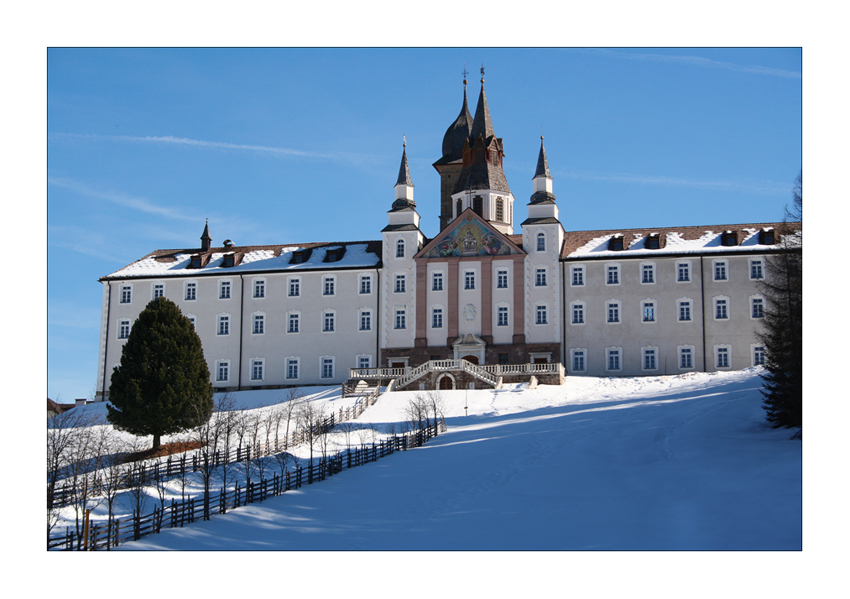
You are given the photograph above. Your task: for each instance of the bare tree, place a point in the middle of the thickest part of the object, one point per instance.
(310, 417)
(63, 431)
(435, 403)
(294, 398)
(417, 411)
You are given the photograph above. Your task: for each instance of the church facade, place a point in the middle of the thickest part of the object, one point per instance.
(602, 303)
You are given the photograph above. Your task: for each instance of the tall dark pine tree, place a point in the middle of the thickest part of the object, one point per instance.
(162, 385)
(782, 331)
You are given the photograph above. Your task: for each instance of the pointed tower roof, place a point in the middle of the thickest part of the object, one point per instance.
(404, 170)
(542, 163)
(206, 240)
(404, 185)
(482, 125)
(542, 180)
(457, 133)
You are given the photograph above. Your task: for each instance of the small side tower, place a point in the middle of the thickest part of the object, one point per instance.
(206, 240)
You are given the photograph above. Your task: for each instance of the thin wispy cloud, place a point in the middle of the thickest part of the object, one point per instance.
(765, 187)
(700, 61)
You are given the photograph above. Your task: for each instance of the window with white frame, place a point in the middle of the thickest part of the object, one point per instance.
(722, 357)
(126, 294)
(328, 321)
(613, 358)
(757, 307)
(259, 288)
(257, 369)
(577, 276)
(223, 324)
(399, 284)
(192, 319)
(399, 248)
(683, 272)
(756, 268)
(123, 328)
(436, 318)
(469, 279)
(650, 358)
(578, 360)
(758, 355)
(294, 286)
(721, 308)
(327, 367)
(222, 371)
(577, 313)
(365, 284)
(502, 279)
(686, 357)
(293, 322)
(224, 289)
(721, 270)
(540, 277)
(541, 242)
(541, 314)
(259, 324)
(647, 273)
(613, 311)
(365, 320)
(328, 285)
(400, 318)
(292, 368)
(684, 310)
(648, 310)
(437, 281)
(191, 291)
(364, 361)
(502, 316)
(158, 290)
(612, 274)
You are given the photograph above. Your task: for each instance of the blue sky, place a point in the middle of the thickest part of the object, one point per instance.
(297, 145)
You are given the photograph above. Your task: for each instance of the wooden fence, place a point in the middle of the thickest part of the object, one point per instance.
(178, 514)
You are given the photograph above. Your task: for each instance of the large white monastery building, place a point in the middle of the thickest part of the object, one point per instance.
(601, 303)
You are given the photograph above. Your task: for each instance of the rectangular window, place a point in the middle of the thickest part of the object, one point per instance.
(437, 282)
(365, 285)
(292, 368)
(758, 307)
(123, 328)
(223, 372)
(366, 320)
(756, 269)
(294, 323)
(649, 311)
(224, 290)
(500, 210)
(327, 368)
(256, 370)
(647, 273)
(541, 316)
(686, 358)
(259, 289)
(683, 272)
(720, 309)
(399, 283)
(502, 316)
(259, 324)
(399, 249)
(613, 312)
(578, 313)
(723, 357)
(294, 287)
(191, 291)
(501, 279)
(541, 242)
(158, 290)
(720, 271)
(328, 322)
(578, 360)
(578, 276)
(649, 362)
(469, 279)
(613, 359)
(437, 318)
(400, 319)
(126, 294)
(328, 286)
(364, 362)
(504, 359)
(224, 325)
(758, 356)
(540, 277)
(684, 311)
(613, 276)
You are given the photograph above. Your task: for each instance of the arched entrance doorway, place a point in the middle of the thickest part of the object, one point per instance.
(471, 359)
(446, 382)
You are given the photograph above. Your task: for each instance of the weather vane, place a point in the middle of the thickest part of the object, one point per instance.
(404, 140)
(482, 72)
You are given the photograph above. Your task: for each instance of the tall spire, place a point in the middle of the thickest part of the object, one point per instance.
(542, 179)
(404, 185)
(542, 163)
(481, 125)
(404, 169)
(206, 240)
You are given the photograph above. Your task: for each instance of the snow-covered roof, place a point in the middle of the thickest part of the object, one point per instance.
(164, 263)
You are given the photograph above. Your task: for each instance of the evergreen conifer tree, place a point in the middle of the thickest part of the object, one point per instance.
(782, 331)
(162, 385)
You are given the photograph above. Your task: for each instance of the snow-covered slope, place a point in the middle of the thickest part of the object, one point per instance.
(660, 463)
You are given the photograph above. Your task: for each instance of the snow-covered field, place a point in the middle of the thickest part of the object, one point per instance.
(658, 463)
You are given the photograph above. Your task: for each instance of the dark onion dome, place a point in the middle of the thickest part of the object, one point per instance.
(457, 134)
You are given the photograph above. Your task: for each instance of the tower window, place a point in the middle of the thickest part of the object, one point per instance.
(399, 249)
(478, 205)
(459, 207)
(541, 242)
(500, 209)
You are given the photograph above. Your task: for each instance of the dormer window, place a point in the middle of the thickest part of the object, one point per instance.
(334, 254)
(615, 244)
(195, 261)
(767, 237)
(300, 256)
(729, 238)
(653, 241)
(229, 260)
